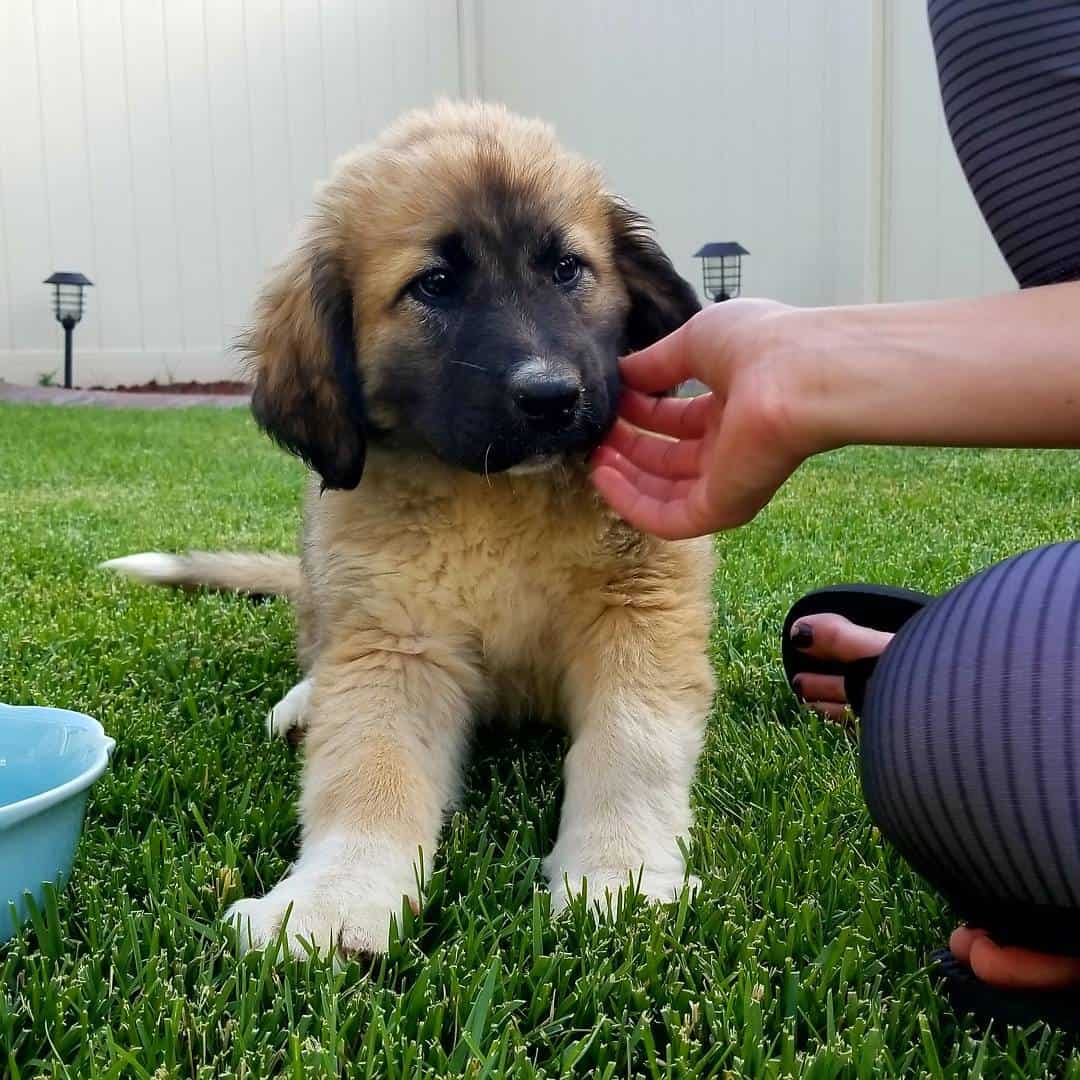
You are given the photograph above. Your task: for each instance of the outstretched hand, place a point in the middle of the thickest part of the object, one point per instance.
(681, 467)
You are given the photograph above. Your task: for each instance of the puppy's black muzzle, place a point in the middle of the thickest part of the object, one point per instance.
(548, 397)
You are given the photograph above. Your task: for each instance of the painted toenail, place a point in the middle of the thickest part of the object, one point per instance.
(802, 637)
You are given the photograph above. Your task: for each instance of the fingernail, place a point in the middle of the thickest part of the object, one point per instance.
(802, 637)
(796, 685)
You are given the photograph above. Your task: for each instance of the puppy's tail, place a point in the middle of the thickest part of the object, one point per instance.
(253, 573)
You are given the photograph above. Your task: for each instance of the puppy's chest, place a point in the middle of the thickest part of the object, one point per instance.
(516, 571)
(514, 581)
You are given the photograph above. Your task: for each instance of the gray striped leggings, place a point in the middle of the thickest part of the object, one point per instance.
(1009, 72)
(971, 722)
(970, 748)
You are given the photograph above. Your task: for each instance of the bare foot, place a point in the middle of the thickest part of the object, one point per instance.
(1013, 968)
(832, 637)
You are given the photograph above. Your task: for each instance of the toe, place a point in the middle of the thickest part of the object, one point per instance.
(963, 937)
(820, 688)
(832, 637)
(1012, 968)
(831, 710)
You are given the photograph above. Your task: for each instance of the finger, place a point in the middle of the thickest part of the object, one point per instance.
(673, 518)
(657, 487)
(961, 940)
(681, 418)
(659, 367)
(677, 459)
(812, 687)
(1012, 968)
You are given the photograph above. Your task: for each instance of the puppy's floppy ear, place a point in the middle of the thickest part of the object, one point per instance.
(660, 300)
(308, 393)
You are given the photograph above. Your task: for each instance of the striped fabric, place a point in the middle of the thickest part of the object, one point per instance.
(970, 747)
(1010, 81)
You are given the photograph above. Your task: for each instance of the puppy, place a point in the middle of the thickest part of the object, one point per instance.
(447, 328)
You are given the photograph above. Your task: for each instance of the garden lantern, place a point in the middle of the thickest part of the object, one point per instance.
(68, 308)
(721, 269)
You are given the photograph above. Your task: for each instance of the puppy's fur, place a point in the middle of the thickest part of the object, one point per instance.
(447, 328)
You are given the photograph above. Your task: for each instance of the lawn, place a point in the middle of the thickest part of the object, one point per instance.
(804, 954)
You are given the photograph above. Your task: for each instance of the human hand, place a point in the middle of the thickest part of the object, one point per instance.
(790, 382)
(681, 467)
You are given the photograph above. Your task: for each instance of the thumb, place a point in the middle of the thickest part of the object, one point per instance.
(662, 365)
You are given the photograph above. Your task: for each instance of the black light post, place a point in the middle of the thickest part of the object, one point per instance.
(68, 308)
(721, 269)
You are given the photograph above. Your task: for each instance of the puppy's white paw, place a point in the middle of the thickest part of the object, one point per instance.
(658, 887)
(329, 904)
(291, 712)
(320, 916)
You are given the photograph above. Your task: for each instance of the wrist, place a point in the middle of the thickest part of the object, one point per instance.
(992, 371)
(811, 354)
(864, 374)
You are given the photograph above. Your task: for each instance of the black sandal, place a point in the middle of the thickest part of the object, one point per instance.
(888, 609)
(971, 996)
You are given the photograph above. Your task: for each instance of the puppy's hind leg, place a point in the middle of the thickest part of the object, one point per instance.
(289, 717)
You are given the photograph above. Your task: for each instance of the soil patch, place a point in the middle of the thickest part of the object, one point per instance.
(222, 386)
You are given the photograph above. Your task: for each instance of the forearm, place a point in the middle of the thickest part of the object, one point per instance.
(995, 371)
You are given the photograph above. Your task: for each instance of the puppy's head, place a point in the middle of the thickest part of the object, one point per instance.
(464, 287)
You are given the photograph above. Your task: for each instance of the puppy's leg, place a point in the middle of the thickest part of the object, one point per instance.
(288, 719)
(638, 698)
(383, 754)
(290, 714)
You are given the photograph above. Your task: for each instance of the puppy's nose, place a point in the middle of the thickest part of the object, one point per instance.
(547, 395)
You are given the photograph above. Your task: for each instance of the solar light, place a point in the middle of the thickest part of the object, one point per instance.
(68, 308)
(721, 269)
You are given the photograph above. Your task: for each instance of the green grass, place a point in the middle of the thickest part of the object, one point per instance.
(803, 955)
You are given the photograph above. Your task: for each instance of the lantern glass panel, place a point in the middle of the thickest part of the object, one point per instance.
(69, 302)
(721, 268)
(723, 276)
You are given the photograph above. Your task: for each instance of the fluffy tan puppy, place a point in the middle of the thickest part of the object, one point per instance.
(440, 346)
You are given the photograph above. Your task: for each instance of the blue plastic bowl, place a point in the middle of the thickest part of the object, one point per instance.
(48, 760)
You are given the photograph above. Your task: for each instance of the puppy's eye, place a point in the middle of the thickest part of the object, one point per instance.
(435, 284)
(567, 270)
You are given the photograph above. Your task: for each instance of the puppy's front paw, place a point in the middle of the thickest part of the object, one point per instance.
(289, 717)
(656, 886)
(347, 907)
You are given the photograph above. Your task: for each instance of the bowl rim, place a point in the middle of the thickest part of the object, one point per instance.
(14, 812)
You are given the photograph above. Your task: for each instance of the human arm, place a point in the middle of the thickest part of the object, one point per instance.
(787, 383)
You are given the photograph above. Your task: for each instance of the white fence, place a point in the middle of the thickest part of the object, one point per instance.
(166, 147)
(934, 241)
